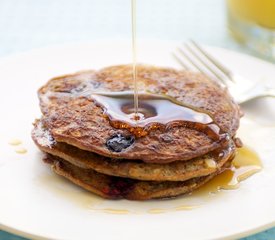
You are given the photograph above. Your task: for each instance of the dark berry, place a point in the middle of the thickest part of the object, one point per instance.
(120, 187)
(118, 142)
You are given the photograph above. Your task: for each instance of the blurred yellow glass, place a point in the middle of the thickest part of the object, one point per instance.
(253, 23)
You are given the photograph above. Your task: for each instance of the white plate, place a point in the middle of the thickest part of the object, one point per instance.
(36, 203)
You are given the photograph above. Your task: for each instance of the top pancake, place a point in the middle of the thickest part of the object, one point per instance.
(71, 115)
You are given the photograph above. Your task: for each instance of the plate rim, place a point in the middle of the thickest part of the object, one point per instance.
(40, 50)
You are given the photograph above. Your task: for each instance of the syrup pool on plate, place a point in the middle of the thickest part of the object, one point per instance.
(245, 164)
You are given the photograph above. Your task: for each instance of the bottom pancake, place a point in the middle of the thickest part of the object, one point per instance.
(116, 187)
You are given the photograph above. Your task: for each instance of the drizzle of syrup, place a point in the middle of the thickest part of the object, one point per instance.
(21, 150)
(115, 211)
(156, 210)
(245, 164)
(154, 112)
(15, 142)
(134, 55)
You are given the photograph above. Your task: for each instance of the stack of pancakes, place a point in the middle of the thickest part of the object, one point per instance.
(82, 145)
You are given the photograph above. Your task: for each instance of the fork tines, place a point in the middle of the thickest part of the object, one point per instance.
(191, 56)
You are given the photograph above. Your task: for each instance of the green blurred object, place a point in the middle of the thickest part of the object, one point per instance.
(8, 236)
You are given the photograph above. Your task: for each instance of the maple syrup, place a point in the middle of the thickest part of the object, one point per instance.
(21, 150)
(115, 211)
(15, 142)
(245, 164)
(155, 112)
(134, 53)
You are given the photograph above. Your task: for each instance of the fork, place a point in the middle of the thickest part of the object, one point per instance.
(193, 57)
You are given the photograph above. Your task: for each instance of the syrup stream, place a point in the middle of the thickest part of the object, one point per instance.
(136, 116)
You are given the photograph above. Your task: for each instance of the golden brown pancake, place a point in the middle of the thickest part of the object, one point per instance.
(175, 171)
(84, 146)
(73, 117)
(116, 188)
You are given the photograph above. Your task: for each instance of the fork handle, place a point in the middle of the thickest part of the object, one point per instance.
(248, 96)
(270, 92)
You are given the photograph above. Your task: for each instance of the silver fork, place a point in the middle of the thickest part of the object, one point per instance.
(193, 57)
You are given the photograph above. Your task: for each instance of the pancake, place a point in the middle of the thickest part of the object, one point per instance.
(73, 117)
(116, 188)
(176, 171)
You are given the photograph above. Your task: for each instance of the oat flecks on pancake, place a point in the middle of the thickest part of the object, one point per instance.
(72, 117)
(176, 171)
(116, 188)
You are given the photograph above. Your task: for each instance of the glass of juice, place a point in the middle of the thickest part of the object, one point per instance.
(252, 22)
